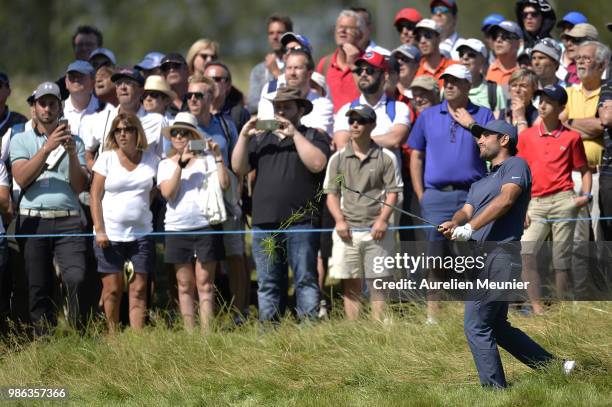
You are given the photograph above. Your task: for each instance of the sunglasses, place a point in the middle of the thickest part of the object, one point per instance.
(532, 14)
(198, 95)
(208, 57)
(359, 120)
(402, 59)
(575, 40)
(428, 34)
(369, 70)
(130, 130)
(180, 132)
(440, 10)
(219, 78)
(296, 48)
(405, 24)
(152, 95)
(505, 36)
(171, 65)
(469, 54)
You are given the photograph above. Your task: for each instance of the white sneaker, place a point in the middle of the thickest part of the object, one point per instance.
(322, 309)
(569, 366)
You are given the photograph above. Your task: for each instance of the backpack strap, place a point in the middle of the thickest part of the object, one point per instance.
(326, 64)
(492, 94)
(390, 109)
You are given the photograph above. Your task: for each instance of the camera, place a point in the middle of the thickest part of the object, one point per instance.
(198, 146)
(268, 125)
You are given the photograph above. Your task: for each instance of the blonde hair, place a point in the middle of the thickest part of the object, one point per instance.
(199, 45)
(129, 119)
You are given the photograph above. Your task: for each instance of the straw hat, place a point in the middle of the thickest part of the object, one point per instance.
(158, 84)
(186, 121)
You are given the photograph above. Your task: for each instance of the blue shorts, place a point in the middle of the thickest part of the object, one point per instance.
(141, 252)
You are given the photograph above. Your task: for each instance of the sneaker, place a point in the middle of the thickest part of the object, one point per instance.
(322, 309)
(569, 366)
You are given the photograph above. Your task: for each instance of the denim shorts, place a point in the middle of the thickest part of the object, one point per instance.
(141, 252)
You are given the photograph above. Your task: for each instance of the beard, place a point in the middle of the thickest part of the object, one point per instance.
(369, 89)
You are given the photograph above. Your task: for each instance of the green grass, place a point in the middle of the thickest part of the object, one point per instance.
(330, 363)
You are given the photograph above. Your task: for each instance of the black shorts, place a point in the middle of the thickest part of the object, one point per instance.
(182, 249)
(141, 252)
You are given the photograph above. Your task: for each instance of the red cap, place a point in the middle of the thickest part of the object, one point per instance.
(373, 58)
(409, 14)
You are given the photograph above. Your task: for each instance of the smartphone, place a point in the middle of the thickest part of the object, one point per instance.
(62, 122)
(269, 125)
(198, 146)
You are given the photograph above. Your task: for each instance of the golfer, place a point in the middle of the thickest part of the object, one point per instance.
(494, 212)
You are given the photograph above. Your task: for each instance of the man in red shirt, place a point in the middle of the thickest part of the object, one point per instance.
(552, 152)
(432, 62)
(336, 67)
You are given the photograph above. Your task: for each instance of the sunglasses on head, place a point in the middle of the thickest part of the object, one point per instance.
(532, 14)
(152, 95)
(440, 10)
(198, 95)
(129, 129)
(428, 34)
(369, 70)
(405, 24)
(359, 120)
(171, 65)
(180, 132)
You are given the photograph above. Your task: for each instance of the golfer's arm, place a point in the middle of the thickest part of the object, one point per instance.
(463, 215)
(498, 206)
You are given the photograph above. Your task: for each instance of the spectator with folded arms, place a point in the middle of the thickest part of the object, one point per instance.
(124, 179)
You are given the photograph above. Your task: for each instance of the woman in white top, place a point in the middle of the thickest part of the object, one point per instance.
(123, 182)
(180, 178)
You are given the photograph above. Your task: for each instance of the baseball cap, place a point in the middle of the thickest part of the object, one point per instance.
(47, 88)
(364, 111)
(496, 126)
(429, 24)
(451, 4)
(373, 58)
(409, 14)
(555, 92)
(105, 52)
(150, 61)
(548, 47)
(490, 20)
(473, 44)
(508, 26)
(291, 36)
(583, 30)
(4, 78)
(458, 71)
(79, 66)
(409, 51)
(426, 82)
(129, 73)
(173, 57)
(573, 18)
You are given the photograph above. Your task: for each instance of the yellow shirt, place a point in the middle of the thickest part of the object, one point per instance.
(579, 106)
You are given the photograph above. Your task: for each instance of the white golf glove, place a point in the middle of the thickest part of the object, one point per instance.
(463, 233)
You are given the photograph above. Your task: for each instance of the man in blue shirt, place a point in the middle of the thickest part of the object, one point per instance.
(494, 211)
(49, 165)
(444, 161)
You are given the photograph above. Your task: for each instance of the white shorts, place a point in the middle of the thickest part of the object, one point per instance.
(356, 259)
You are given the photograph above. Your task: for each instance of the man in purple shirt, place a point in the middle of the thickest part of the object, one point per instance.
(445, 159)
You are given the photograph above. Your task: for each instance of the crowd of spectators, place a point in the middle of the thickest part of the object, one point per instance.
(121, 152)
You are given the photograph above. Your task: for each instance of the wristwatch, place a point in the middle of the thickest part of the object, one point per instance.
(588, 195)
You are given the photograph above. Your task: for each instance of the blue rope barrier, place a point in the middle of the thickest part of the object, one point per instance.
(267, 231)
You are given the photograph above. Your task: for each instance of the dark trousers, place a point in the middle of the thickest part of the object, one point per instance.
(6, 285)
(486, 325)
(38, 255)
(605, 205)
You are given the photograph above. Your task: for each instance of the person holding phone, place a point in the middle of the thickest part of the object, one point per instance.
(121, 190)
(194, 253)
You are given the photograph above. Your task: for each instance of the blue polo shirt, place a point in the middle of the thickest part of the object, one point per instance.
(452, 156)
(513, 170)
(215, 131)
(51, 190)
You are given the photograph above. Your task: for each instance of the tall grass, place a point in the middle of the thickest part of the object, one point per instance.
(334, 362)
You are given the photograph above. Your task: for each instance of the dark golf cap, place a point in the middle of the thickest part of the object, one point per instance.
(363, 111)
(4, 78)
(173, 57)
(129, 73)
(555, 92)
(498, 127)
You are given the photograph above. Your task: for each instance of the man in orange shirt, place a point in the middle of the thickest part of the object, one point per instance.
(432, 62)
(506, 35)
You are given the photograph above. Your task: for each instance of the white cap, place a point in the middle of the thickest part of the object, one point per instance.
(429, 24)
(473, 44)
(458, 71)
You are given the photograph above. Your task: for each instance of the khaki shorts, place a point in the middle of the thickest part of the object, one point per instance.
(356, 259)
(542, 210)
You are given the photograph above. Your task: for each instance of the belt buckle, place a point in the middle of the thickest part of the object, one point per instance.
(447, 188)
